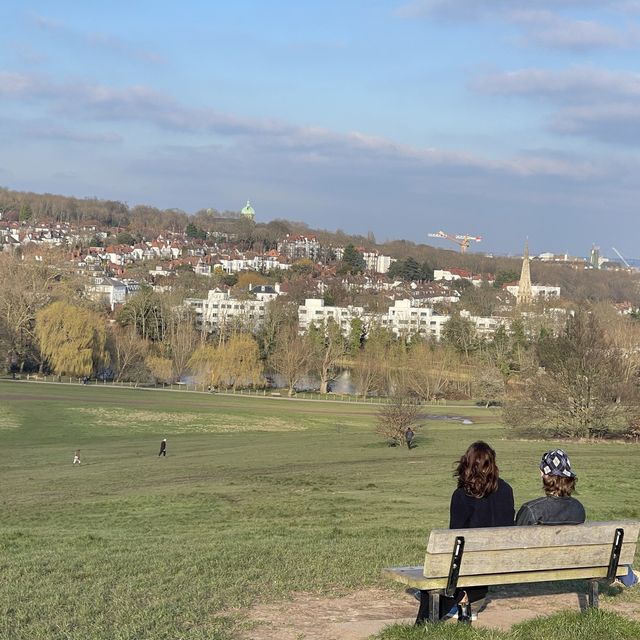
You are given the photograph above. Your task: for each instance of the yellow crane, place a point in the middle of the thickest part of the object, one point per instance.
(462, 240)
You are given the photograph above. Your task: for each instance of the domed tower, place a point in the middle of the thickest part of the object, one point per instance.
(248, 212)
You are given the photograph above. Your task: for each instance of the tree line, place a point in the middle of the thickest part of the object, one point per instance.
(577, 374)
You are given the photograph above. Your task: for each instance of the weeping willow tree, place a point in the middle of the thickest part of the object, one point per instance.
(72, 339)
(232, 364)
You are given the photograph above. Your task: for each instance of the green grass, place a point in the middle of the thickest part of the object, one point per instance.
(592, 625)
(257, 499)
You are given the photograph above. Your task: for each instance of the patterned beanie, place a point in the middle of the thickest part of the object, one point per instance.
(556, 463)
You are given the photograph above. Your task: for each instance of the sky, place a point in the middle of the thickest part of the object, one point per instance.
(505, 119)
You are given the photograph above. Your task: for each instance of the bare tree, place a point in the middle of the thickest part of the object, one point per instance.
(396, 417)
(290, 358)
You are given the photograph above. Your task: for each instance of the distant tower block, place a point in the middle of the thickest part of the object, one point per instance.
(524, 297)
(248, 211)
(594, 258)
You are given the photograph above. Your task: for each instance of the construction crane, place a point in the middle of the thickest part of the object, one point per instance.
(462, 240)
(622, 257)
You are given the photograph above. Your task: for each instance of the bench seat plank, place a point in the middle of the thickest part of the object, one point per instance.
(496, 538)
(413, 577)
(527, 559)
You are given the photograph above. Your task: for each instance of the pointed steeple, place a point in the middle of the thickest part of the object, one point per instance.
(524, 297)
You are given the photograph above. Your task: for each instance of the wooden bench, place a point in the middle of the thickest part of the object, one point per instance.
(516, 555)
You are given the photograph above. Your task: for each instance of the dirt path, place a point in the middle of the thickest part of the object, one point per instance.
(364, 613)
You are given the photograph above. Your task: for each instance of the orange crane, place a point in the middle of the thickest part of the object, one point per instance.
(462, 240)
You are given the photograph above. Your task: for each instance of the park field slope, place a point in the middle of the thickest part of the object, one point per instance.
(257, 499)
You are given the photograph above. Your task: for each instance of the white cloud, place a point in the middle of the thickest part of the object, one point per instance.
(474, 9)
(108, 42)
(565, 86)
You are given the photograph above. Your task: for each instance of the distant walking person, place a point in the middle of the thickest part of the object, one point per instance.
(76, 457)
(408, 436)
(163, 448)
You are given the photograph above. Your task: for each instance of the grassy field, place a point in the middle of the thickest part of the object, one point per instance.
(256, 499)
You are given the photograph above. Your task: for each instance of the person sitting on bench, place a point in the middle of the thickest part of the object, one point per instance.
(482, 499)
(557, 506)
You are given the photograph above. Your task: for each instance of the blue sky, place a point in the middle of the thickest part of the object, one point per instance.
(501, 118)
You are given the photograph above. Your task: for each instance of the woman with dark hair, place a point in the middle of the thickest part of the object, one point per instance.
(482, 499)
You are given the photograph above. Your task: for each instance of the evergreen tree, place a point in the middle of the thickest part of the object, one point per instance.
(353, 260)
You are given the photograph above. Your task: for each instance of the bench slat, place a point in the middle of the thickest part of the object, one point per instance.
(496, 538)
(412, 577)
(518, 560)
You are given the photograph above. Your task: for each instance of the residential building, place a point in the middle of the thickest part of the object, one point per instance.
(376, 262)
(107, 291)
(296, 247)
(220, 309)
(314, 311)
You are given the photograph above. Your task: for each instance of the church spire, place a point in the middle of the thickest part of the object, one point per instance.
(524, 297)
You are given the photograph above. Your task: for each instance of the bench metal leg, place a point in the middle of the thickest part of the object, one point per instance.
(593, 594)
(434, 606)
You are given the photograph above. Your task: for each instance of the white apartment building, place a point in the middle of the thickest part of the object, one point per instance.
(407, 317)
(314, 311)
(485, 325)
(220, 309)
(376, 262)
(296, 247)
(538, 290)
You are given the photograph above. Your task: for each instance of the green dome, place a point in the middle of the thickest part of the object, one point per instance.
(248, 211)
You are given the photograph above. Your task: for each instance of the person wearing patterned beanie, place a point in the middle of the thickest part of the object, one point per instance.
(557, 506)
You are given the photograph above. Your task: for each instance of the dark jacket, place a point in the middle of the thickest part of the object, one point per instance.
(495, 510)
(551, 510)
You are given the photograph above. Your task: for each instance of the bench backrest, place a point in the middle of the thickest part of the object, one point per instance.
(529, 554)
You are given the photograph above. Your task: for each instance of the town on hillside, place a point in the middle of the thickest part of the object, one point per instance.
(220, 274)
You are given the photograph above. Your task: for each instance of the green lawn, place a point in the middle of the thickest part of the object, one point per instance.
(256, 498)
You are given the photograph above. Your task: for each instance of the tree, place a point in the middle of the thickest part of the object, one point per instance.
(128, 352)
(161, 368)
(193, 231)
(290, 358)
(72, 339)
(488, 385)
(352, 260)
(25, 288)
(235, 363)
(408, 269)
(326, 350)
(505, 277)
(25, 213)
(396, 417)
(460, 334)
(181, 340)
(371, 363)
(148, 313)
(581, 390)
(124, 237)
(427, 370)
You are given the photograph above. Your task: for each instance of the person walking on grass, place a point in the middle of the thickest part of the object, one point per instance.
(163, 448)
(408, 436)
(76, 457)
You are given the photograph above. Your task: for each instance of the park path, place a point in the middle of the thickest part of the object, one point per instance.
(363, 613)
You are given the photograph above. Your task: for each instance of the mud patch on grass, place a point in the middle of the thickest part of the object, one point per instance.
(362, 614)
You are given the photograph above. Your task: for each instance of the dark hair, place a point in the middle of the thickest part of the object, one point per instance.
(558, 486)
(477, 471)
